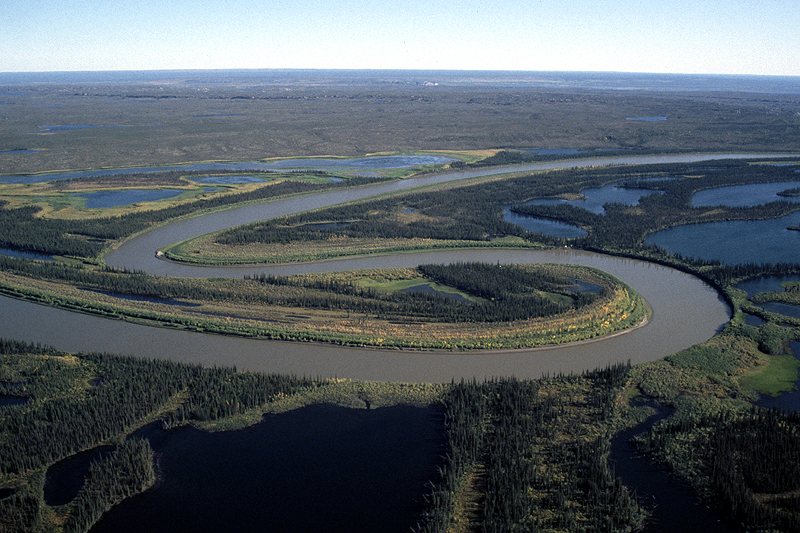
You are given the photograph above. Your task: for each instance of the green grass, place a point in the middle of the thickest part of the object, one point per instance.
(777, 376)
(403, 284)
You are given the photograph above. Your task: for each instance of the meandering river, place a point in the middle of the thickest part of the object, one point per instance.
(685, 310)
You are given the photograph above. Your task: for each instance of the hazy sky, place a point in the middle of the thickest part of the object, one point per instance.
(675, 36)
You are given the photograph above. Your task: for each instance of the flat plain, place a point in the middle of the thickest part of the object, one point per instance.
(520, 454)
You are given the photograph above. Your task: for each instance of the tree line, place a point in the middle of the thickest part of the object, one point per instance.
(53, 425)
(540, 468)
(507, 292)
(751, 461)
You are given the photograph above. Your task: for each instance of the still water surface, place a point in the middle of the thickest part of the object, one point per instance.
(745, 195)
(735, 242)
(319, 468)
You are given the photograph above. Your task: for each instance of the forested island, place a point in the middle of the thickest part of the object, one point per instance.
(512, 454)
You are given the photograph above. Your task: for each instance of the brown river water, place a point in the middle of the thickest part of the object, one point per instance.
(685, 310)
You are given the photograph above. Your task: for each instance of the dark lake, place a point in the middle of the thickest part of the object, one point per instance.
(545, 226)
(735, 242)
(672, 504)
(319, 468)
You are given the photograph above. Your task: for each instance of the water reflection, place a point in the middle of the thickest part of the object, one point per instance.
(319, 468)
(672, 504)
(735, 242)
(545, 226)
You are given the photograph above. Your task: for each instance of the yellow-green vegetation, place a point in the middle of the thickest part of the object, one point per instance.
(203, 250)
(59, 199)
(776, 375)
(326, 308)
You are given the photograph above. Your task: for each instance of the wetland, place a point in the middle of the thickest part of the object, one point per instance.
(494, 439)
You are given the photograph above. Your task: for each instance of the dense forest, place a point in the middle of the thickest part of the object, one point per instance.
(538, 451)
(522, 455)
(116, 392)
(474, 212)
(80, 400)
(750, 463)
(506, 292)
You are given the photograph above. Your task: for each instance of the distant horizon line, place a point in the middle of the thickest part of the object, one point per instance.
(339, 69)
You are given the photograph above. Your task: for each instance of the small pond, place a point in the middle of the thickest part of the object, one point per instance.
(647, 119)
(8, 252)
(66, 477)
(781, 308)
(582, 286)
(7, 400)
(427, 289)
(101, 199)
(319, 468)
(554, 151)
(745, 195)
(545, 226)
(228, 180)
(56, 129)
(753, 320)
(764, 284)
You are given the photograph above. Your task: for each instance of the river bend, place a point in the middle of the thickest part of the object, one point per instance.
(685, 310)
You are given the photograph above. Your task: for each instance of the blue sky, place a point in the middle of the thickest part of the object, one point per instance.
(677, 36)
